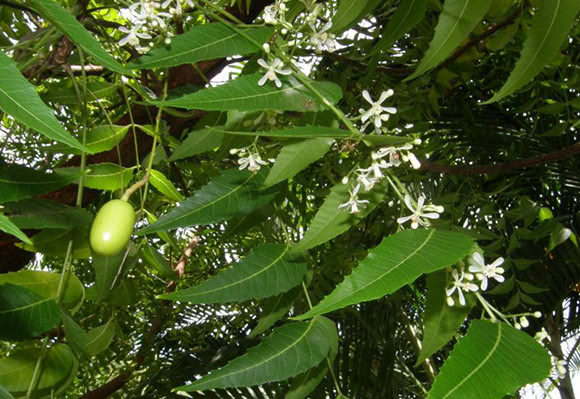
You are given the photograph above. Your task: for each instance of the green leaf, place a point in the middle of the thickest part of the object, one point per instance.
(458, 18)
(197, 142)
(25, 314)
(302, 132)
(233, 193)
(102, 176)
(330, 221)
(244, 94)
(19, 99)
(54, 242)
(494, 358)
(164, 185)
(99, 338)
(4, 394)
(58, 367)
(76, 337)
(18, 182)
(406, 16)
(106, 269)
(397, 261)
(45, 284)
(268, 270)
(441, 320)
(68, 95)
(99, 139)
(7, 226)
(383, 140)
(549, 29)
(348, 11)
(296, 156)
(288, 351)
(204, 42)
(274, 308)
(69, 25)
(158, 261)
(42, 213)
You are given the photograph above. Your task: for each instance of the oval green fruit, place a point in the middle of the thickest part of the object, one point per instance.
(112, 227)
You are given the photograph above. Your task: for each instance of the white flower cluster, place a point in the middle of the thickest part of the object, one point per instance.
(250, 158)
(149, 19)
(421, 213)
(462, 281)
(321, 39)
(377, 114)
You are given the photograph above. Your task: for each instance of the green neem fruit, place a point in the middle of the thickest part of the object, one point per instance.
(112, 227)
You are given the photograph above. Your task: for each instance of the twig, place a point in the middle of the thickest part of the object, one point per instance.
(505, 167)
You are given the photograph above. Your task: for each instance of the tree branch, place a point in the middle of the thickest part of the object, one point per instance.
(505, 167)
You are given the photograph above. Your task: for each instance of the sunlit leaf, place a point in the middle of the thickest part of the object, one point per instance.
(68, 95)
(204, 42)
(99, 338)
(101, 176)
(301, 132)
(19, 99)
(45, 284)
(287, 352)
(494, 358)
(268, 270)
(25, 314)
(348, 11)
(244, 94)
(233, 193)
(164, 185)
(549, 29)
(405, 17)
(456, 21)
(296, 156)
(7, 226)
(397, 261)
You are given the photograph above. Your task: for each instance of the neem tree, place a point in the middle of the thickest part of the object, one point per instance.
(334, 199)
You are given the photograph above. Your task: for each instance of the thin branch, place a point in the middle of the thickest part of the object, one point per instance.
(501, 168)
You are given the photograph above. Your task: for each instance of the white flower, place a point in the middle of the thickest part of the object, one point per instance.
(133, 36)
(459, 285)
(542, 335)
(364, 178)
(484, 272)
(270, 14)
(421, 212)
(524, 322)
(272, 69)
(377, 112)
(353, 202)
(397, 154)
(322, 39)
(249, 158)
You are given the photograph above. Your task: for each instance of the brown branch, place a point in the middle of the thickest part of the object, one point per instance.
(109, 388)
(505, 167)
(482, 36)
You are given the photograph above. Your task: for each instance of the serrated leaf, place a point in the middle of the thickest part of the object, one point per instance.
(17, 369)
(102, 176)
(406, 16)
(531, 288)
(305, 383)
(287, 352)
(69, 25)
(7, 226)
(204, 42)
(494, 358)
(19, 99)
(441, 320)
(99, 139)
(397, 261)
(244, 94)
(348, 11)
(296, 156)
(274, 308)
(99, 338)
(164, 185)
(42, 213)
(550, 26)
(233, 193)
(25, 314)
(45, 284)
(197, 142)
(68, 95)
(268, 270)
(330, 221)
(18, 182)
(456, 21)
(302, 132)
